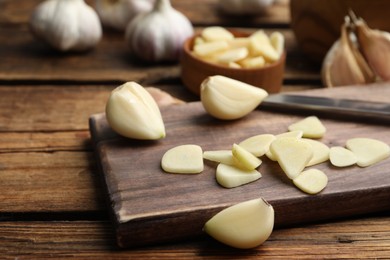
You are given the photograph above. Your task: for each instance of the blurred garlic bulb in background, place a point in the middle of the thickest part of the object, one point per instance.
(158, 35)
(360, 56)
(117, 14)
(241, 7)
(66, 25)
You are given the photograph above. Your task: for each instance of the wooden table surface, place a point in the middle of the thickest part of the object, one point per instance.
(52, 203)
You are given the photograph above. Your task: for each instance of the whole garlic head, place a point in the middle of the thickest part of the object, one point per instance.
(117, 14)
(241, 7)
(158, 35)
(66, 24)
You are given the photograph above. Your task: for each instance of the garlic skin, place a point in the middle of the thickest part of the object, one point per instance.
(340, 67)
(158, 35)
(242, 7)
(360, 56)
(117, 14)
(375, 47)
(66, 25)
(132, 112)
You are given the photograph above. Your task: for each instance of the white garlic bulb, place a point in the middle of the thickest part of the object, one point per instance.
(66, 25)
(241, 7)
(158, 35)
(117, 14)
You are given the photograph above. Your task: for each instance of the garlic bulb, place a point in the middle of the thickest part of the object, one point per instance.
(360, 56)
(241, 7)
(158, 35)
(66, 24)
(117, 14)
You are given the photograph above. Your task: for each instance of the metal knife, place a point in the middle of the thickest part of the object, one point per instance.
(330, 106)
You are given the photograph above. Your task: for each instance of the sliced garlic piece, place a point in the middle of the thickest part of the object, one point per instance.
(244, 158)
(228, 99)
(368, 151)
(234, 65)
(216, 33)
(292, 154)
(260, 45)
(232, 55)
(230, 177)
(184, 159)
(210, 48)
(258, 145)
(311, 127)
(320, 152)
(244, 225)
(296, 134)
(132, 112)
(341, 157)
(220, 156)
(311, 181)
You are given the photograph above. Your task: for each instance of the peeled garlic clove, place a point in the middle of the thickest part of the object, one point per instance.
(66, 25)
(132, 112)
(260, 45)
(311, 181)
(183, 159)
(341, 157)
(258, 145)
(244, 158)
(253, 62)
(228, 99)
(210, 48)
(117, 14)
(232, 55)
(311, 127)
(216, 33)
(292, 155)
(158, 35)
(368, 151)
(230, 177)
(244, 225)
(375, 46)
(320, 152)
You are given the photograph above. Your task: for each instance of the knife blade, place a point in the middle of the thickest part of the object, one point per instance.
(344, 107)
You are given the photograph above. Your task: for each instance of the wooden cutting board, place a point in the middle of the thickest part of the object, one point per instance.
(150, 206)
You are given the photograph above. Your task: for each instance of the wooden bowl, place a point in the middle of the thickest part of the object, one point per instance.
(316, 24)
(194, 70)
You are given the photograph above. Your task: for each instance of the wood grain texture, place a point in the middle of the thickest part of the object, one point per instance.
(366, 238)
(108, 62)
(49, 182)
(148, 203)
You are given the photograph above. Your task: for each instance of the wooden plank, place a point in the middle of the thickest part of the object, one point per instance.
(49, 182)
(147, 203)
(360, 238)
(109, 61)
(30, 114)
(41, 141)
(204, 12)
